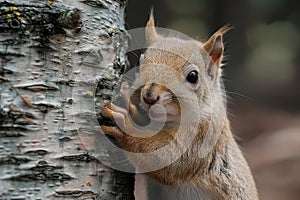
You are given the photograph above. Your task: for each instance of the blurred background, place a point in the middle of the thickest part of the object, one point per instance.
(261, 75)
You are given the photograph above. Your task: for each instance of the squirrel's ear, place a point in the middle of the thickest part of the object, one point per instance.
(215, 46)
(150, 31)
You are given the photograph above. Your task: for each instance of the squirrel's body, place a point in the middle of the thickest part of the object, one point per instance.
(186, 192)
(184, 78)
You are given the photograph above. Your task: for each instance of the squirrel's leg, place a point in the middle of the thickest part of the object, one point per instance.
(112, 130)
(122, 119)
(124, 123)
(126, 97)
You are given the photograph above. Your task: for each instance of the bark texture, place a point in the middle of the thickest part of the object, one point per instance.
(53, 55)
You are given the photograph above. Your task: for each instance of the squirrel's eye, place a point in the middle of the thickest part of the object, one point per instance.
(192, 77)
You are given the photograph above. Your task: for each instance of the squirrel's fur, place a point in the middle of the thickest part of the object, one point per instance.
(220, 173)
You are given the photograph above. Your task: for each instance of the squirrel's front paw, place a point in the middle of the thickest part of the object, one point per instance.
(120, 116)
(124, 118)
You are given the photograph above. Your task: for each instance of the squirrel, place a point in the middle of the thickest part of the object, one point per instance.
(182, 78)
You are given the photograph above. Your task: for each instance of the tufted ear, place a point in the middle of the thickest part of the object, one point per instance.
(215, 46)
(150, 31)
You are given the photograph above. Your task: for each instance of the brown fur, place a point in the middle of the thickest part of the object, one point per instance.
(223, 171)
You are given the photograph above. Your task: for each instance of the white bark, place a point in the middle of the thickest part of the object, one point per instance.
(50, 66)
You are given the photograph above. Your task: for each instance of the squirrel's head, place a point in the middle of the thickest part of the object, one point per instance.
(177, 73)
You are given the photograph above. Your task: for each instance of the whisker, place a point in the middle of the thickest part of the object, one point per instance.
(230, 93)
(240, 95)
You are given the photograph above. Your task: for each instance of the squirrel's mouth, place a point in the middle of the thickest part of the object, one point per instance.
(161, 109)
(162, 113)
(158, 113)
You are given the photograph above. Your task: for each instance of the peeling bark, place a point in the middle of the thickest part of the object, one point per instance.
(53, 55)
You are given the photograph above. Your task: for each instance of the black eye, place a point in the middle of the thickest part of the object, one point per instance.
(192, 77)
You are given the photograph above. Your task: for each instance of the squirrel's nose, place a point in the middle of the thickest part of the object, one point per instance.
(150, 100)
(150, 93)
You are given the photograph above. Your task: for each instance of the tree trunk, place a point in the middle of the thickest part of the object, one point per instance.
(53, 55)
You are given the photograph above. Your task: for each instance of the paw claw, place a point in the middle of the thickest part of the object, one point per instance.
(106, 112)
(108, 104)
